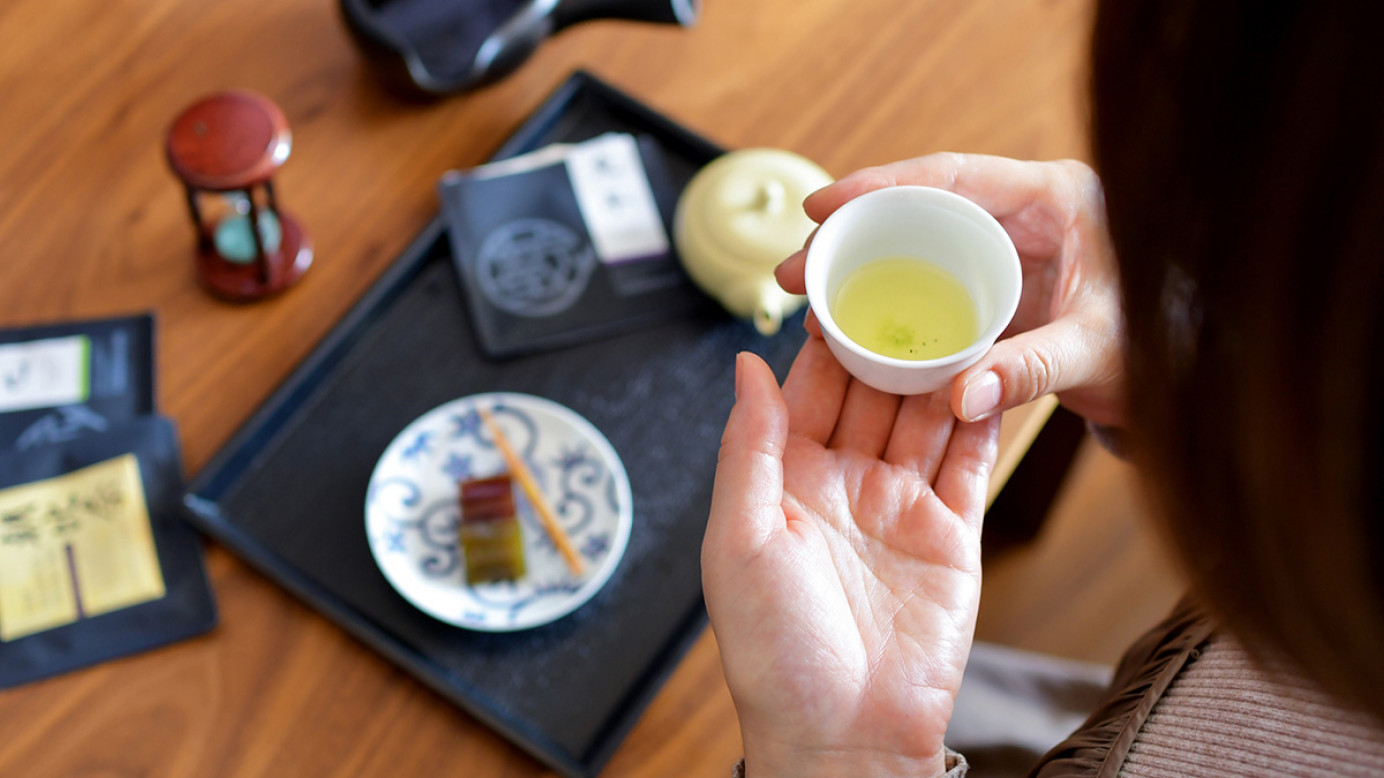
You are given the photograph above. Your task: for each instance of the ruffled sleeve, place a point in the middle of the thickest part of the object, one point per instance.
(1099, 747)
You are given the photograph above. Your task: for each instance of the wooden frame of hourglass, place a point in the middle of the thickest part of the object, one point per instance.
(230, 144)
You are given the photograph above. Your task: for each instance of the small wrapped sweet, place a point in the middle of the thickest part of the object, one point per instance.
(492, 543)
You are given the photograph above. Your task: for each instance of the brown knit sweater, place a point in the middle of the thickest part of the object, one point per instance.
(1188, 701)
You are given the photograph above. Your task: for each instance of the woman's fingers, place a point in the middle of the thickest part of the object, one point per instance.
(815, 391)
(867, 417)
(1071, 353)
(1000, 185)
(747, 499)
(919, 440)
(964, 477)
(1036, 202)
(789, 273)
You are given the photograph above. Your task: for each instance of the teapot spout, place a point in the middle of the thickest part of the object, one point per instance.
(768, 319)
(771, 305)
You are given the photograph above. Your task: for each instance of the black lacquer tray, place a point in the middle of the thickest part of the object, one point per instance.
(287, 493)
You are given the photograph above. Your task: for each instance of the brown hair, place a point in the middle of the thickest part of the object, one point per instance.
(1241, 145)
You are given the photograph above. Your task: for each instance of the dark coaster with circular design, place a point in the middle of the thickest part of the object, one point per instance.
(546, 256)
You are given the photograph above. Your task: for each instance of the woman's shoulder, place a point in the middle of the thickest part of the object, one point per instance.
(1144, 674)
(1189, 699)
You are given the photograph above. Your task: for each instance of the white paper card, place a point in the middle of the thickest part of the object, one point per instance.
(615, 198)
(44, 373)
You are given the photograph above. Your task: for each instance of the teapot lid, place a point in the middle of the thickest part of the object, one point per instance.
(744, 209)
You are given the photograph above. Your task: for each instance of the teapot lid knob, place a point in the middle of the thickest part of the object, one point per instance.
(770, 196)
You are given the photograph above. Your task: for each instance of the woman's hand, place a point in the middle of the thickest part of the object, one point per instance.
(841, 567)
(1067, 335)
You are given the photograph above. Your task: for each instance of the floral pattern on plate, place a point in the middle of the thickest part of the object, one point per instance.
(412, 513)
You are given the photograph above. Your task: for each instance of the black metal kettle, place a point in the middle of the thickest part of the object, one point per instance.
(430, 48)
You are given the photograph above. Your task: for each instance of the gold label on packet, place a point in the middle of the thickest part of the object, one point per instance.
(74, 546)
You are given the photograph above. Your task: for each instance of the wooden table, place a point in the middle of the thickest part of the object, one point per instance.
(92, 224)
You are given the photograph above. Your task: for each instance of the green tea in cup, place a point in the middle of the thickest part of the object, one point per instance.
(905, 308)
(911, 286)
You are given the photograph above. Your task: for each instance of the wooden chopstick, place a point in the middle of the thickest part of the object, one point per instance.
(530, 486)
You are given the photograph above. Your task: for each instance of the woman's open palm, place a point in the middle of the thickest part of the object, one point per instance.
(842, 568)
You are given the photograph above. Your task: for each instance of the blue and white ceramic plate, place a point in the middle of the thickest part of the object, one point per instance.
(412, 511)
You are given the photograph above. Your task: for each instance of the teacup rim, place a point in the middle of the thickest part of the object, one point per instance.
(933, 196)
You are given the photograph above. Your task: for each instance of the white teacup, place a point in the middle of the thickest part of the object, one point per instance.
(930, 224)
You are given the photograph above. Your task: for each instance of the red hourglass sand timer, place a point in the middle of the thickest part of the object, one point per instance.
(224, 148)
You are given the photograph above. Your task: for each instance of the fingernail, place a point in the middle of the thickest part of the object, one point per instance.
(982, 396)
(739, 360)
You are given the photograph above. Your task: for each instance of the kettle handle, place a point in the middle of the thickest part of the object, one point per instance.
(682, 12)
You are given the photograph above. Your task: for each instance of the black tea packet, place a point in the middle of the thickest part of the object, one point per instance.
(60, 381)
(567, 244)
(96, 561)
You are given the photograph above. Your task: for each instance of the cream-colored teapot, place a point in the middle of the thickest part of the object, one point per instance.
(738, 218)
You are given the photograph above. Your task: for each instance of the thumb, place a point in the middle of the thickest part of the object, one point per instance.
(1058, 357)
(747, 499)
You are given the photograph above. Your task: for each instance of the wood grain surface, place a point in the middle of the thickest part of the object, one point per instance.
(92, 223)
